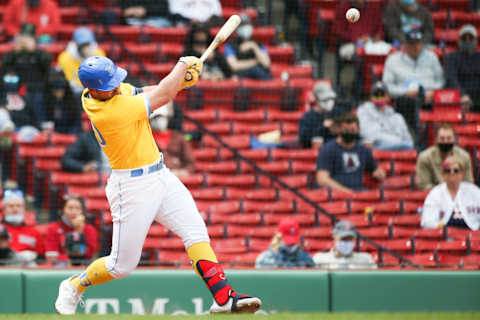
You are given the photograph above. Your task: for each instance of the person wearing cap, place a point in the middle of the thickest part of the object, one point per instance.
(411, 76)
(342, 255)
(462, 67)
(25, 240)
(43, 14)
(318, 123)
(153, 13)
(246, 57)
(82, 46)
(402, 16)
(380, 126)
(172, 143)
(453, 203)
(285, 250)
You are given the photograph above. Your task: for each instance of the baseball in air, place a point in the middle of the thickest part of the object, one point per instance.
(352, 15)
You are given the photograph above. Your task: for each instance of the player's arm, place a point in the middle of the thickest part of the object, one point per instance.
(148, 88)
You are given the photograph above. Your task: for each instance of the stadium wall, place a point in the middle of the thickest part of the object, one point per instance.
(181, 292)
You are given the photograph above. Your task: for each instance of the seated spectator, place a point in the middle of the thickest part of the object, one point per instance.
(402, 16)
(429, 161)
(43, 14)
(342, 162)
(285, 250)
(462, 67)
(85, 155)
(318, 123)
(342, 256)
(32, 65)
(246, 57)
(191, 11)
(196, 42)
(62, 108)
(411, 76)
(82, 46)
(7, 256)
(177, 151)
(153, 13)
(380, 125)
(25, 240)
(453, 203)
(71, 238)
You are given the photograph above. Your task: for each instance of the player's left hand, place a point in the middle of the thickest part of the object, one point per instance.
(191, 78)
(192, 63)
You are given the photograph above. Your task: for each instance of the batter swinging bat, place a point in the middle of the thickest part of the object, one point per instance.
(222, 35)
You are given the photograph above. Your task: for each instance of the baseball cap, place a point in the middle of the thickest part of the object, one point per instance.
(323, 90)
(290, 231)
(379, 89)
(344, 229)
(12, 194)
(414, 35)
(83, 35)
(28, 29)
(3, 232)
(468, 29)
(100, 73)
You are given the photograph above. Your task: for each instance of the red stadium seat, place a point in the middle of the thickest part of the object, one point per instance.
(375, 232)
(424, 260)
(208, 194)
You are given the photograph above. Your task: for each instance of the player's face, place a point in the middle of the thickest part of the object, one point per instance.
(72, 209)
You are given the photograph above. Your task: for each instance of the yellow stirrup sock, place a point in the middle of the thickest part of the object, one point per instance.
(96, 273)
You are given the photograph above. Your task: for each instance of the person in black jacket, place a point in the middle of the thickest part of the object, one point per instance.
(153, 13)
(85, 155)
(196, 42)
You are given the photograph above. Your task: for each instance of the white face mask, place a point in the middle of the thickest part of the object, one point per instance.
(159, 123)
(245, 32)
(327, 105)
(345, 247)
(15, 219)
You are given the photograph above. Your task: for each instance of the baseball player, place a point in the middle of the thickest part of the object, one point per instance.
(141, 189)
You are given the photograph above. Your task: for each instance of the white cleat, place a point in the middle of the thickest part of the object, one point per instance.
(237, 304)
(68, 297)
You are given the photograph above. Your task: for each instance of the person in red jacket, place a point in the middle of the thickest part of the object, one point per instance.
(44, 14)
(71, 238)
(24, 240)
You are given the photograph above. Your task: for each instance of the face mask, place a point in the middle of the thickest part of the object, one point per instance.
(11, 83)
(468, 46)
(349, 137)
(445, 147)
(14, 219)
(345, 247)
(245, 32)
(66, 221)
(159, 123)
(327, 105)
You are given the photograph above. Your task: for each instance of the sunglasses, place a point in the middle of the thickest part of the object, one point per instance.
(448, 170)
(13, 192)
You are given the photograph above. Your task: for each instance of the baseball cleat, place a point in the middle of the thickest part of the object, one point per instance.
(68, 297)
(239, 303)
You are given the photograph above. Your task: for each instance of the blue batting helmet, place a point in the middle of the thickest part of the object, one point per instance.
(100, 73)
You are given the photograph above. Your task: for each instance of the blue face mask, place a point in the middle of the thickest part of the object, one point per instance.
(67, 222)
(345, 248)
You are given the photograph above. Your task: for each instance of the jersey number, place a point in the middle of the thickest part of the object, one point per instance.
(99, 136)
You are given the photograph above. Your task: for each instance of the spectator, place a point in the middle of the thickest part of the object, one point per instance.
(71, 238)
(342, 256)
(191, 11)
(82, 46)
(32, 65)
(411, 77)
(26, 241)
(176, 149)
(453, 203)
(380, 125)
(196, 42)
(62, 108)
(342, 162)
(462, 67)
(403, 16)
(43, 14)
(285, 250)
(318, 123)
(246, 57)
(429, 162)
(7, 256)
(153, 13)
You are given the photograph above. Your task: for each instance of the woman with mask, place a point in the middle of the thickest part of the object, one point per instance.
(246, 57)
(342, 256)
(71, 239)
(177, 151)
(380, 126)
(453, 203)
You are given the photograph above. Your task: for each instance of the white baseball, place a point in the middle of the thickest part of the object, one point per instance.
(352, 15)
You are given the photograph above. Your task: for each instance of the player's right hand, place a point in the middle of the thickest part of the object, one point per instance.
(192, 63)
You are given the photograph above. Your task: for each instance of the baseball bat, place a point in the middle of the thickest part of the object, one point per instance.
(225, 31)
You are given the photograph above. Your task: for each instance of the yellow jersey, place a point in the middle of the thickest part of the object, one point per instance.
(122, 128)
(69, 65)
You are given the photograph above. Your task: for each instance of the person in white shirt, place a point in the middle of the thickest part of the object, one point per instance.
(453, 203)
(195, 10)
(342, 256)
